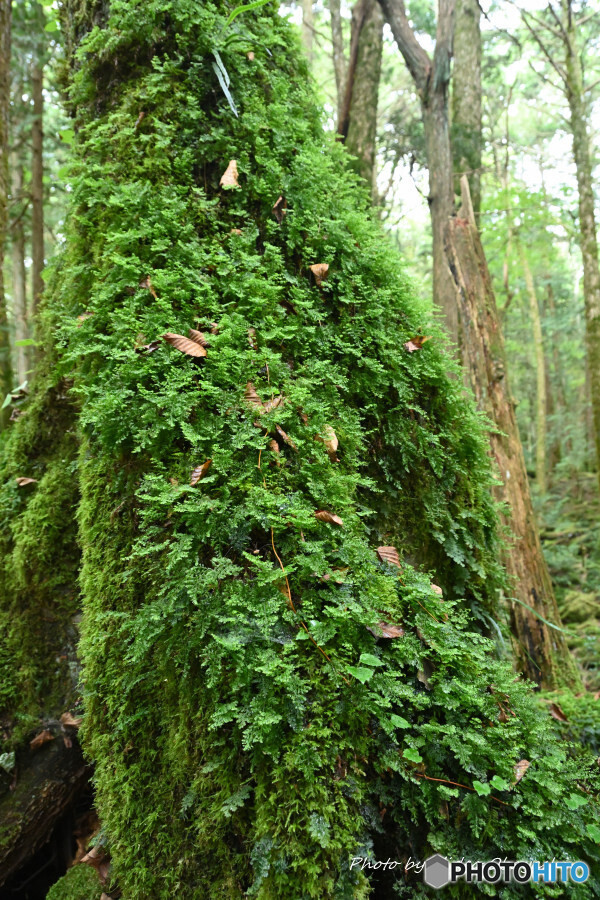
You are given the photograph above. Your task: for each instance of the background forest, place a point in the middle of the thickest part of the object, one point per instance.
(485, 116)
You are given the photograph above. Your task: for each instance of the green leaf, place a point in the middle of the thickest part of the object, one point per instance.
(482, 789)
(399, 721)
(246, 6)
(367, 659)
(594, 832)
(51, 26)
(360, 673)
(7, 401)
(413, 755)
(26, 342)
(67, 136)
(499, 783)
(574, 801)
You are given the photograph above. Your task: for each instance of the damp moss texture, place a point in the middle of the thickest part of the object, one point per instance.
(251, 728)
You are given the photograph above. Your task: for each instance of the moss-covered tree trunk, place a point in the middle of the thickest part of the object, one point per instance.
(272, 464)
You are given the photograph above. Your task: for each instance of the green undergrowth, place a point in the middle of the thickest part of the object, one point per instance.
(81, 882)
(251, 731)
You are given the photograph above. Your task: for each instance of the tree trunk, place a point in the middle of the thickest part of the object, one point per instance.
(5, 362)
(19, 281)
(466, 99)
(37, 172)
(540, 368)
(587, 219)
(308, 28)
(541, 651)
(359, 124)
(340, 65)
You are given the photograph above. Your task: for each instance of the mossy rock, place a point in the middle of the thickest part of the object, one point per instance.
(578, 606)
(80, 882)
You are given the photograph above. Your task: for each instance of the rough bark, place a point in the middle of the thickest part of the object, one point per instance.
(37, 184)
(359, 117)
(466, 99)
(540, 368)
(19, 280)
(431, 77)
(5, 362)
(340, 64)
(541, 651)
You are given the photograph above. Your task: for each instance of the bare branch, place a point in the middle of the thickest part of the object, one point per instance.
(587, 18)
(543, 48)
(415, 56)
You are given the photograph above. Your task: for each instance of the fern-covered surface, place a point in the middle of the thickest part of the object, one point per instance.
(251, 734)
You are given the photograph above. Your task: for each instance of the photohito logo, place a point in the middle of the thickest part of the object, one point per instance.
(439, 871)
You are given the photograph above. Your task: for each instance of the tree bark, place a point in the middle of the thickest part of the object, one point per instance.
(19, 280)
(540, 368)
(466, 99)
(431, 78)
(37, 172)
(340, 64)
(541, 651)
(5, 42)
(308, 28)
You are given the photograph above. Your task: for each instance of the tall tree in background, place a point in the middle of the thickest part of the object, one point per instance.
(559, 38)
(466, 99)
(37, 157)
(431, 76)
(5, 30)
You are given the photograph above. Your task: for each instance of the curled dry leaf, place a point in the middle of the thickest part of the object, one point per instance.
(146, 348)
(83, 317)
(146, 283)
(199, 472)
(389, 555)
(557, 713)
(323, 516)
(99, 859)
(40, 739)
(329, 438)
(251, 397)
(21, 482)
(236, 231)
(286, 439)
(229, 178)
(386, 630)
(437, 589)
(214, 328)
(280, 209)
(520, 769)
(270, 405)
(274, 447)
(320, 271)
(197, 337)
(250, 55)
(416, 343)
(70, 721)
(184, 345)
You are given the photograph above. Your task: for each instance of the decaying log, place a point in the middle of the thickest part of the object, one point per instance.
(47, 781)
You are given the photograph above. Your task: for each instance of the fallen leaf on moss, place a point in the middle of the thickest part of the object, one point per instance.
(285, 437)
(389, 555)
(40, 739)
(251, 397)
(386, 630)
(437, 589)
(320, 271)
(83, 317)
(557, 713)
(21, 482)
(270, 405)
(323, 516)
(70, 721)
(280, 209)
(199, 472)
(184, 345)
(99, 859)
(229, 178)
(146, 283)
(329, 438)
(416, 343)
(520, 769)
(198, 338)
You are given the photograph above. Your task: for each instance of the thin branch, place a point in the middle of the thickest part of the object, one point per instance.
(543, 48)
(587, 18)
(415, 56)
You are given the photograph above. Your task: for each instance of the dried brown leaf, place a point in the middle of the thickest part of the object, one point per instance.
(286, 438)
(520, 769)
(386, 630)
(184, 345)
(323, 516)
(329, 438)
(280, 209)
(99, 859)
(270, 405)
(148, 348)
(70, 721)
(199, 472)
(252, 398)
(40, 739)
(83, 317)
(437, 589)
(146, 283)
(214, 328)
(274, 447)
(250, 55)
(557, 713)
(416, 343)
(197, 337)
(21, 482)
(320, 271)
(229, 178)
(389, 555)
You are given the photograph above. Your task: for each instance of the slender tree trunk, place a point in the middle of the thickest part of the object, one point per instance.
(308, 27)
(361, 138)
(587, 219)
(340, 64)
(540, 367)
(37, 179)
(5, 363)
(432, 77)
(19, 281)
(541, 651)
(466, 99)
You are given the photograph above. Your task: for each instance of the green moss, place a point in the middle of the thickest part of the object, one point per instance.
(80, 883)
(247, 741)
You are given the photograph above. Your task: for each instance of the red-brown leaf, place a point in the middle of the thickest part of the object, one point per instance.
(199, 472)
(386, 630)
(252, 397)
(99, 859)
(148, 348)
(285, 437)
(437, 589)
(147, 283)
(198, 338)
(323, 516)
(270, 405)
(416, 343)
(389, 555)
(70, 721)
(320, 271)
(229, 178)
(40, 739)
(557, 713)
(280, 209)
(184, 345)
